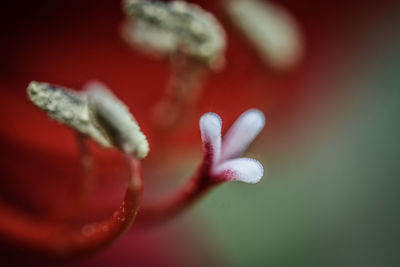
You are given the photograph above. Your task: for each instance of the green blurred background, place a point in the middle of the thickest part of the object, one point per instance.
(331, 190)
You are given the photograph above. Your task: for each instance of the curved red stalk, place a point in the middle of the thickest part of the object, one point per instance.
(85, 184)
(200, 183)
(57, 239)
(82, 189)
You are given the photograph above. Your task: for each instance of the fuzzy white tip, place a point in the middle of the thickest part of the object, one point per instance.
(241, 169)
(95, 85)
(210, 128)
(242, 133)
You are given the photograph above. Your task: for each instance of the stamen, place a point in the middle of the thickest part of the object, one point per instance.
(193, 40)
(98, 113)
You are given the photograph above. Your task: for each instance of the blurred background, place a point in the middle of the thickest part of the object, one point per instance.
(330, 150)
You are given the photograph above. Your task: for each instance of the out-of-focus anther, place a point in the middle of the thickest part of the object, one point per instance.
(271, 29)
(192, 39)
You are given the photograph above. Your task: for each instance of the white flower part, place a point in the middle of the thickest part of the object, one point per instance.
(238, 138)
(110, 115)
(210, 128)
(242, 133)
(271, 29)
(241, 169)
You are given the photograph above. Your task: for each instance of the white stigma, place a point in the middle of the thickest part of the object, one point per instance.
(241, 169)
(210, 128)
(242, 133)
(225, 164)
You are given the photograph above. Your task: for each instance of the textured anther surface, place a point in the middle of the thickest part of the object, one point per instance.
(67, 107)
(181, 26)
(95, 112)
